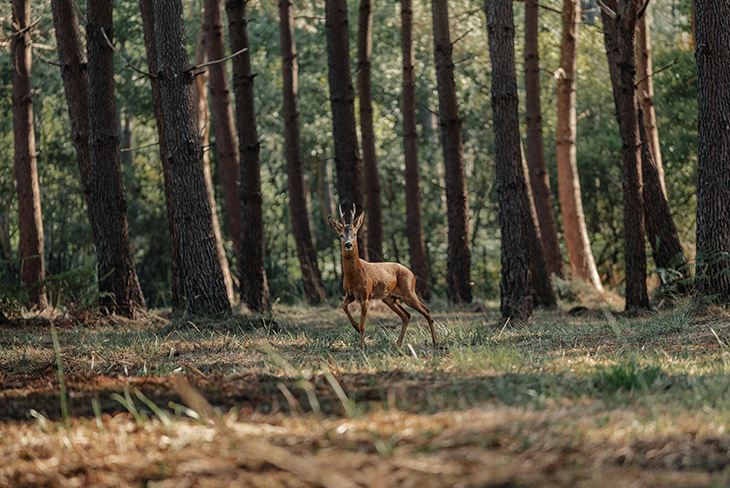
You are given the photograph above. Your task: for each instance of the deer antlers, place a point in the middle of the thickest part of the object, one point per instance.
(352, 214)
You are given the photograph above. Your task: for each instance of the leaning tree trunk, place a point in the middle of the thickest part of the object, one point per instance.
(30, 225)
(373, 203)
(712, 19)
(298, 208)
(660, 229)
(203, 283)
(580, 255)
(255, 289)
(176, 281)
(645, 89)
(202, 116)
(118, 284)
(514, 216)
(542, 286)
(348, 164)
(538, 175)
(458, 259)
(619, 37)
(226, 147)
(414, 226)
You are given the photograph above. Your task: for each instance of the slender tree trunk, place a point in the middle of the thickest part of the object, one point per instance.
(118, 283)
(30, 225)
(414, 226)
(226, 146)
(255, 289)
(542, 287)
(348, 164)
(645, 90)
(514, 217)
(619, 37)
(712, 53)
(203, 282)
(176, 280)
(660, 229)
(202, 116)
(311, 277)
(458, 259)
(370, 162)
(580, 255)
(538, 175)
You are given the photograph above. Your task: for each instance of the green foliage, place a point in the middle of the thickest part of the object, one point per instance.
(627, 376)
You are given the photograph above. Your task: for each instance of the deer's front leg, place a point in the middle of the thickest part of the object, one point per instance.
(345, 302)
(363, 316)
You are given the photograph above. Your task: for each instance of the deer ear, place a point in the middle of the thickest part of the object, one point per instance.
(358, 222)
(335, 224)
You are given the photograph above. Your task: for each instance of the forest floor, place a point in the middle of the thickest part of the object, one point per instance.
(291, 401)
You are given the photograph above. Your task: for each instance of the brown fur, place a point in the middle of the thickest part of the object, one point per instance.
(364, 281)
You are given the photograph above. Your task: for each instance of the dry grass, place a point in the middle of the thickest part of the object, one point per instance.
(292, 401)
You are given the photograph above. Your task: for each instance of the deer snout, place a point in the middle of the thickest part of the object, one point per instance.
(348, 246)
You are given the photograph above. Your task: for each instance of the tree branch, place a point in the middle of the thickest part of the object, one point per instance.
(606, 9)
(123, 58)
(676, 60)
(222, 60)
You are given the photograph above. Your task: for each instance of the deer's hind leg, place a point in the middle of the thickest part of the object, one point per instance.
(393, 304)
(345, 302)
(412, 301)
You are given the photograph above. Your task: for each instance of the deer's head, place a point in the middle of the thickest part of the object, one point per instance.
(347, 231)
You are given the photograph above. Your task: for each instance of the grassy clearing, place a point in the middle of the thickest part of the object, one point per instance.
(291, 400)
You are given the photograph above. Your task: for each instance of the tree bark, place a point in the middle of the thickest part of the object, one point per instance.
(645, 90)
(30, 225)
(542, 286)
(514, 217)
(414, 226)
(176, 280)
(458, 261)
(118, 283)
(348, 164)
(538, 175)
(620, 50)
(580, 255)
(203, 282)
(255, 289)
(226, 146)
(663, 238)
(202, 116)
(311, 277)
(712, 52)
(373, 202)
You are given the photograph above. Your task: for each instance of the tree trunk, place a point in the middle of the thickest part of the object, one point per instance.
(311, 277)
(226, 146)
(712, 26)
(203, 282)
(514, 217)
(580, 255)
(538, 175)
(458, 259)
(620, 50)
(542, 287)
(30, 225)
(255, 289)
(373, 203)
(660, 229)
(348, 164)
(645, 90)
(414, 226)
(176, 280)
(202, 116)
(118, 283)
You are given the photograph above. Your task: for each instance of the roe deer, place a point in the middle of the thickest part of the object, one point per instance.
(364, 281)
